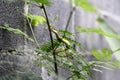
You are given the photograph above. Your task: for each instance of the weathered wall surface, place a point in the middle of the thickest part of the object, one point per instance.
(18, 64)
(111, 7)
(96, 41)
(56, 9)
(41, 33)
(10, 12)
(85, 19)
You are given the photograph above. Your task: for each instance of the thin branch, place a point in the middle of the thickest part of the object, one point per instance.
(69, 18)
(32, 32)
(51, 37)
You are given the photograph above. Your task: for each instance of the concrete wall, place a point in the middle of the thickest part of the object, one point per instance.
(86, 19)
(15, 64)
(112, 7)
(10, 12)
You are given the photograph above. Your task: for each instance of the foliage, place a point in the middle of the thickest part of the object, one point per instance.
(47, 47)
(67, 32)
(103, 55)
(75, 43)
(114, 42)
(58, 52)
(70, 60)
(98, 31)
(66, 56)
(16, 31)
(36, 19)
(46, 2)
(84, 4)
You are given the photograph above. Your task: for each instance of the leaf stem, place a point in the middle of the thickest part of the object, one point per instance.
(51, 37)
(32, 32)
(67, 25)
(68, 21)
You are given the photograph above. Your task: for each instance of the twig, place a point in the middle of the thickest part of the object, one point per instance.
(32, 32)
(67, 25)
(69, 18)
(51, 37)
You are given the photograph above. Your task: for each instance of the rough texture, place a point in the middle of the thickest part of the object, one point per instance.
(53, 10)
(11, 12)
(42, 33)
(14, 64)
(18, 65)
(96, 41)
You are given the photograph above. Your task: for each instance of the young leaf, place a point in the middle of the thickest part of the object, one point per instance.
(97, 70)
(46, 46)
(67, 32)
(75, 42)
(16, 31)
(113, 42)
(104, 54)
(116, 63)
(98, 31)
(46, 2)
(85, 5)
(104, 67)
(96, 54)
(107, 54)
(36, 19)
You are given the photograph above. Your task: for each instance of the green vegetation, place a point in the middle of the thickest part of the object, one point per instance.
(59, 52)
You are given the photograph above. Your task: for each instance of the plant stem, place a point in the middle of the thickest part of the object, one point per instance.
(69, 18)
(32, 32)
(67, 25)
(51, 37)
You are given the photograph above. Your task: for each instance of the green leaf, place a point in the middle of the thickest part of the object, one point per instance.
(46, 2)
(103, 67)
(98, 31)
(97, 70)
(107, 54)
(100, 20)
(16, 31)
(116, 63)
(36, 19)
(85, 5)
(46, 46)
(103, 55)
(75, 42)
(113, 38)
(96, 54)
(66, 32)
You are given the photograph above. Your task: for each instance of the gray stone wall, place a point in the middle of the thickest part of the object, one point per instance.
(11, 12)
(15, 64)
(95, 41)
